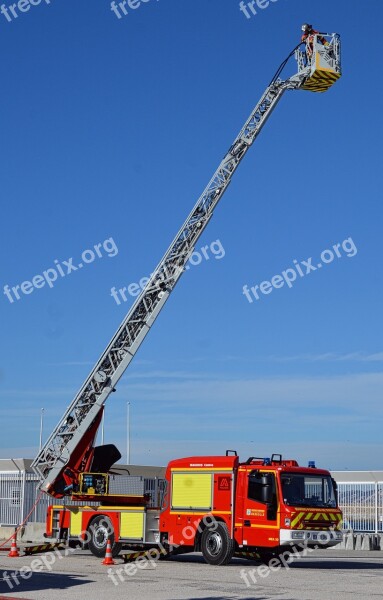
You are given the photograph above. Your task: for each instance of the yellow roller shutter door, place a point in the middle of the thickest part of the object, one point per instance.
(192, 491)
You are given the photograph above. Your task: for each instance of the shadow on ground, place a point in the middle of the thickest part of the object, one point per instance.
(337, 564)
(11, 581)
(229, 598)
(328, 563)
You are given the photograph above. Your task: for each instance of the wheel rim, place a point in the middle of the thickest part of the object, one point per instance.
(214, 544)
(100, 537)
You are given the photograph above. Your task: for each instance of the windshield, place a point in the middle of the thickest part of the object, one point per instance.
(308, 490)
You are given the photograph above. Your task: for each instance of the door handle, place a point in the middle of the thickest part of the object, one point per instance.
(246, 523)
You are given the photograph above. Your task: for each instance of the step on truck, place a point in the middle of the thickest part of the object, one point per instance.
(216, 505)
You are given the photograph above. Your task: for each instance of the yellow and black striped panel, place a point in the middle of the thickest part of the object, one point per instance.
(43, 548)
(306, 520)
(132, 556)
(320, 81)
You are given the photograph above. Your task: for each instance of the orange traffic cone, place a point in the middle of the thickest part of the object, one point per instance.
(14, 553)
(108, 560)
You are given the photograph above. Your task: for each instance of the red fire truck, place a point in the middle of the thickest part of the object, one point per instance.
(213, 504)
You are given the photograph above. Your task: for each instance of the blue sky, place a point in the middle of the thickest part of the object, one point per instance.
(111, 128)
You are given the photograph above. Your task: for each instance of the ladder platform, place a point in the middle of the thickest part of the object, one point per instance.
(325, 68)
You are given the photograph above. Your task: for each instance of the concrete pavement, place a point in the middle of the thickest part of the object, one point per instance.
(324, 575)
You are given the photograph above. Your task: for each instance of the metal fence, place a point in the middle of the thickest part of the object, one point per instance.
(19, 492)
(362, 506)
(11, 500)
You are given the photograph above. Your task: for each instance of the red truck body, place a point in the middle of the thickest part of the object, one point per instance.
(261, 505)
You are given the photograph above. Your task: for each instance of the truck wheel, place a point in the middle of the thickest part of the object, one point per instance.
(99, 530)
(216, 545)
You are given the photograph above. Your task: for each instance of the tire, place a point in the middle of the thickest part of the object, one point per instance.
(99, 530)
(216, 545)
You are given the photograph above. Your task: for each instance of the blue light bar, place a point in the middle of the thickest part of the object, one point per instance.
(267, 461)
(312, 464)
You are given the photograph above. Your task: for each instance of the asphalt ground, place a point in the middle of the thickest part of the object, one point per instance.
(324, 575)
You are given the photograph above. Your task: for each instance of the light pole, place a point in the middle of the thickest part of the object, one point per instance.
(128, 433)
(41, 427)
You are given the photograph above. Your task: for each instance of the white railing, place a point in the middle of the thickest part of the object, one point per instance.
(19, 492)
(362, 506)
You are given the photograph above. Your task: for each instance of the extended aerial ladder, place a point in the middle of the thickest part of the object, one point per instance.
(69, 451)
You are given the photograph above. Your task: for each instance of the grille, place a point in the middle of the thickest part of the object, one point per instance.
(126, 485)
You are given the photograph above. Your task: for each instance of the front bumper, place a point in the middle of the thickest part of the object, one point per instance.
(313, 537)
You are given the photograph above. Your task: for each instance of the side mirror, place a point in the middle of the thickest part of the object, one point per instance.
(335, 489)
(267, 488)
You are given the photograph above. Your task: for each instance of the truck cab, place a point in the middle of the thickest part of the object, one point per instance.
(279, 503)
